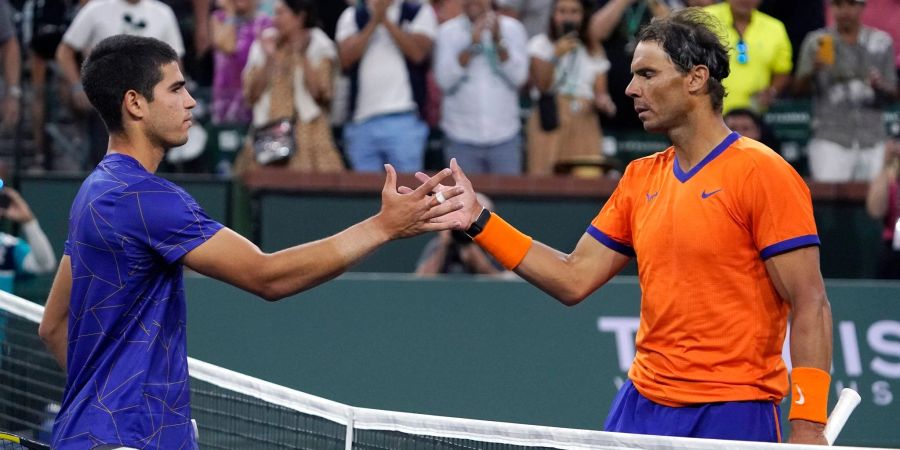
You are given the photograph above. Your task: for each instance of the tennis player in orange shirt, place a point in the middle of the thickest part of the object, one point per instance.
(727, 252)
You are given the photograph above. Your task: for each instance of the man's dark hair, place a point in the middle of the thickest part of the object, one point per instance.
(691, 37)
(119, 64)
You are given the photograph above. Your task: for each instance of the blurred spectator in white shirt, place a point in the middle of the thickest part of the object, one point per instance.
(384, 50)
(481, 62)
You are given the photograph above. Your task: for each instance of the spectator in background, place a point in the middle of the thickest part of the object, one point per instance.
(749, 124)
(569, 68)
(453, 252)
(30, 256)
(850, 70)
(12, 69)
(98, 20)
(234, 28)
(760, 53)
(290, 75)
(385, 47)
(533, 14)
(883, 203)
(481, 62)
(616, 25)
(885, 16)
(49, 22)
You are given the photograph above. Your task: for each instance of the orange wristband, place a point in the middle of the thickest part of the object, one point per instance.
(809, 388)
(504, 242)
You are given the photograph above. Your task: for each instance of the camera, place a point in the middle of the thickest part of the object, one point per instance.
(569, 27)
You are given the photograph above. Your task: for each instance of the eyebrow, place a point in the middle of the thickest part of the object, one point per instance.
(177, 84)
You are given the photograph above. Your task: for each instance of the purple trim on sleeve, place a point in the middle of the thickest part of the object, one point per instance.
(610, 242)
(790, 244)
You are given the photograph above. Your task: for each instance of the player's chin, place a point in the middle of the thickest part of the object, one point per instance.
(651, 126)
(177, 141)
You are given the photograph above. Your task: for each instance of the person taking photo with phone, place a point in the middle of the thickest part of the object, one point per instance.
(28, 256)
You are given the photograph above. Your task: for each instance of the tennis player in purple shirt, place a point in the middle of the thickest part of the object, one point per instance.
(115, 317)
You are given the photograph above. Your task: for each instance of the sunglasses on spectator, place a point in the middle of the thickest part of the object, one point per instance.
(742, 52)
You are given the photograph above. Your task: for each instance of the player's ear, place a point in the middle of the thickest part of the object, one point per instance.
(134, 105)
(697, 78)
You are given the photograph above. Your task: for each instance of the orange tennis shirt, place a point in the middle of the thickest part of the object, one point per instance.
(712, 324)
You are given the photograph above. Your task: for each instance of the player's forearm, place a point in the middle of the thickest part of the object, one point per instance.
(811, 334)
(54, 327)
(57, 342)
(554, 272)
(303, 267)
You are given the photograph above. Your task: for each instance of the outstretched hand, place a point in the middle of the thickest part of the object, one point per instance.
(470, 209)
(407, 212)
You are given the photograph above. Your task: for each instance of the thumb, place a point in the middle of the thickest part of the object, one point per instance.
(390, 180)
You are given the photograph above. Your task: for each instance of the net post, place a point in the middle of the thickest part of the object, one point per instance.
(348, 437)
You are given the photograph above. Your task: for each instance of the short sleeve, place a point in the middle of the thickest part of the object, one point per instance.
(321, 47)
(783, 62)
(78, 35)
(612, 226)
(599, 65)
(425, 22)
(346, 25)
(540, 47)
(780, 208)
(164, 219)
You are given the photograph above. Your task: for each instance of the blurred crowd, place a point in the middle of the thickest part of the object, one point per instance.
(505, 86)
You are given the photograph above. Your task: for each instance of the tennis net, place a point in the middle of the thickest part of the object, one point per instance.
(235, 411)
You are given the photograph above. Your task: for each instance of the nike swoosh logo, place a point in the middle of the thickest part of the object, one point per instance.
(706, 195)
(650, 196)
(800, 400)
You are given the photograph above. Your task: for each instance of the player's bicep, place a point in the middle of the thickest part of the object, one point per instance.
(595, 262)
(229, 257)
(796, 275)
